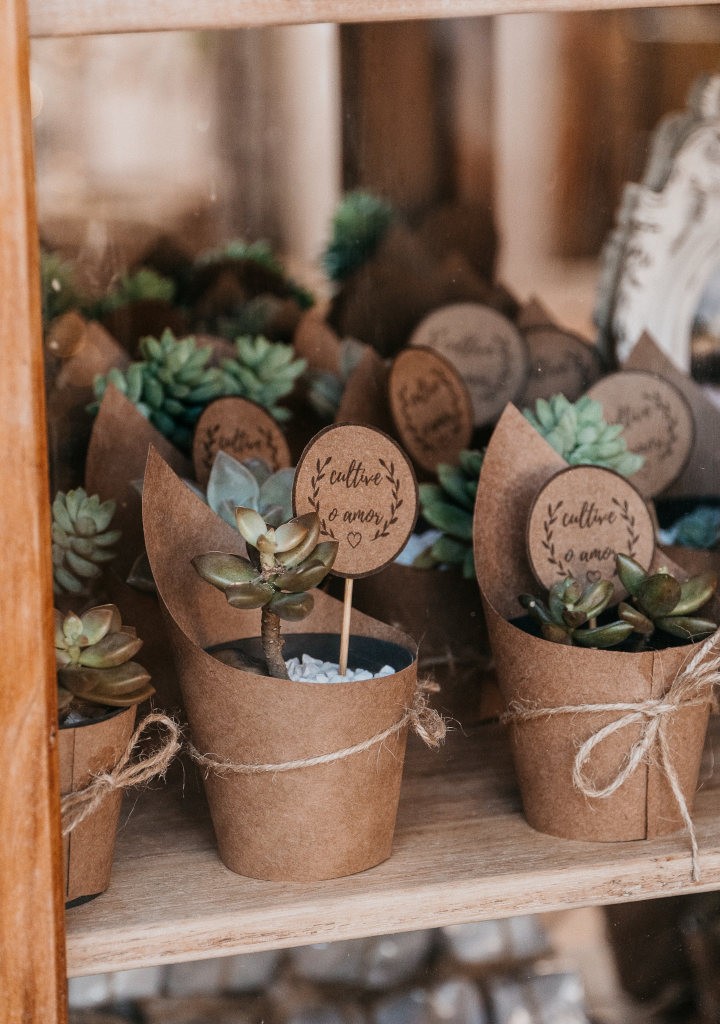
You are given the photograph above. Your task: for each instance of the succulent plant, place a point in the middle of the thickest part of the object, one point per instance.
(283, 564)
(325, 389)
(697, 529)
(81, 540)
(170, 386)
(137, 286)
(94, 654)
(263, 371)
(660, 601)
(448, 506)
(579, 433)
(252, 484)
(358, 226)
(237, 251)
(57, 287)
(570, 613)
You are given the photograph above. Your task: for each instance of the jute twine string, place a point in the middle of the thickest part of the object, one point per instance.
(77, 806)
(692, 686)
(420, 717)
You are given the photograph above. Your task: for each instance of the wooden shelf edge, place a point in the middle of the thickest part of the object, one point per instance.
(87, 17)
(463, 852)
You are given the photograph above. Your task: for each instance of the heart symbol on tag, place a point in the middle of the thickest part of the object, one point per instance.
(354, 538)
(592, 575)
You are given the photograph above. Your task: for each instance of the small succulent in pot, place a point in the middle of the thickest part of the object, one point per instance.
(284, 563)
(660, 601)
(94, 653)
(570, 615)
(578, 432)
(81, 540)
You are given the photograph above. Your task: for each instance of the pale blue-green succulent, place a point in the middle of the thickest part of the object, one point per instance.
(81, 540)
(263, 371)
(251, 484)
(578, 432)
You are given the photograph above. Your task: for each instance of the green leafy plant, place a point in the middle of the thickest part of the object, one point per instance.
(570, 613)
(237, 250)
(251, 484)
(140, 285)
(697, 529)
(660, 601)
(283, 564)
(94, 654)
(81, 540)
(263, 371)
(57, 286)
(170, 386)
(579, 433)
(358, 226)
(448, 506)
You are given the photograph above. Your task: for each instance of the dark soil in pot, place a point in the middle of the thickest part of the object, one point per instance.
(365, 652)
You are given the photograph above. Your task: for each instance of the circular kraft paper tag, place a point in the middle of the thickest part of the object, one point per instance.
(579, 521)
(363, 488)
(485, 348)
(430, 406)
(657, 420)
(241, 428)
(561, 363)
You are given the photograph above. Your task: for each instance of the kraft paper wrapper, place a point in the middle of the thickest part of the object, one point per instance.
(701, 475)
(517, 462)
(365, 398)
(312, 823)
(118, 451)
(443, 612)
(85, 750)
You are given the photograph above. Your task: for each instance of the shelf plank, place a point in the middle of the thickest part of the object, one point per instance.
(84, 17)
(463, 852)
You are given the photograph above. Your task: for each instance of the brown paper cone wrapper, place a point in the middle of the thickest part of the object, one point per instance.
(85, 750)
(311, 823)
(443, 612)
(546, 675)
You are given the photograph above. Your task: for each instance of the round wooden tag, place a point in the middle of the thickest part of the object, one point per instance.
(561, 363)
(657, 420)
(241, 428)
(485, 348)
(363, 488)
(580, 519)
(431, 407)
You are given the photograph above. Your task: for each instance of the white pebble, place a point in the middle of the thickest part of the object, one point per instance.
(312, 670)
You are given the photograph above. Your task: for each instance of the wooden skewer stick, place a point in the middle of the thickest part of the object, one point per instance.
(345, 633)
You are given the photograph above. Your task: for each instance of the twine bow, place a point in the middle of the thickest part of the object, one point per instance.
(420, 717)
(75, 807)
(692, 686)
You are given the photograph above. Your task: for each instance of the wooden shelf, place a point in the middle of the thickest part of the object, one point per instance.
(463, 852)
(84, 17)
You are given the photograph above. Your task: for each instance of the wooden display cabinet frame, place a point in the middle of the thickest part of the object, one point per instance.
(32, 947)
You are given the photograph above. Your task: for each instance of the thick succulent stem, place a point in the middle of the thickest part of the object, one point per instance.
(272, 643)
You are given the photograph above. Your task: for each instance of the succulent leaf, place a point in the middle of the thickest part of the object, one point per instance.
(686, 627)
(605, 636)
(696, 592)
(81, 542)
(292, 607)
(248, 595)
(658, 594)
(631, 574)
(251, 525)
(224, 569)
(112, 650)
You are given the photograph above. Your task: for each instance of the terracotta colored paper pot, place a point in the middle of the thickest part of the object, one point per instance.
(543, 675)
(85, 750)
(310, 823)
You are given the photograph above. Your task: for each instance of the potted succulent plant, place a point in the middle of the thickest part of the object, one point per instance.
(99, 688)
(298, 785)
(606, 742)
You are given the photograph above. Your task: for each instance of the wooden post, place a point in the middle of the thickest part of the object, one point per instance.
(32, 955)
